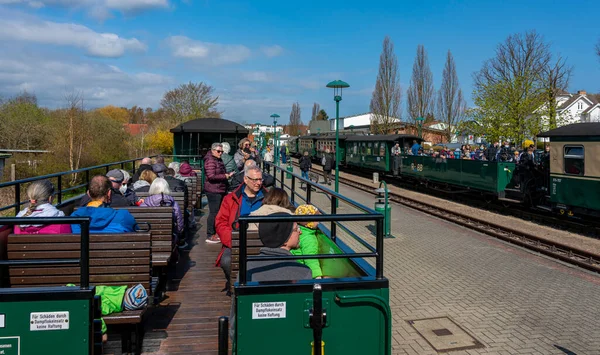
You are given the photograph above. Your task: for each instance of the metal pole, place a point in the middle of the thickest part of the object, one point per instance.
(59, 183)
(337, 143)
(293, 194)
(243, 253)
(223, 336)
(85, 255)
(379, 248)
(334, 204)
(17, 198)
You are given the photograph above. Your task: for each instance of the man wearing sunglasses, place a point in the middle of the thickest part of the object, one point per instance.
(245, 199)
(215, 187)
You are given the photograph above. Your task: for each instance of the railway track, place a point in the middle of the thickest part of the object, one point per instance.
(565, 253)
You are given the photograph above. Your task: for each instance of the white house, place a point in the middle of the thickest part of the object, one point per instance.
(263, 128)
(362, 120)
(576, 108)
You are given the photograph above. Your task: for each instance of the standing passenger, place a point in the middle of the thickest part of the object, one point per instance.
(305, 165)
(215, 187)
(239, 155)
(327, 162)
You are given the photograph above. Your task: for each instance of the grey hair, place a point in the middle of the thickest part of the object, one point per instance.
(251, 167)
(216, 145)
(38, 192)
(226, 147)
(126, 175)
(175, 166)
(159, 186)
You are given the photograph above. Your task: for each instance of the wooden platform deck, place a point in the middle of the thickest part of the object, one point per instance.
(186, 321)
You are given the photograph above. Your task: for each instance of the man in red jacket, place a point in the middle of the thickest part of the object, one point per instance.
(241, 202)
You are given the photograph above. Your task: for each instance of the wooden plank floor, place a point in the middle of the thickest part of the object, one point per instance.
(186, 321)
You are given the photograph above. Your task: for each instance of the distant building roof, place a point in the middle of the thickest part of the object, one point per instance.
(210, 125)
(574, 130)
(135, 128)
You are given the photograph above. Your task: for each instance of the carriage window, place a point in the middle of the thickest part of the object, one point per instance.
(574, 160)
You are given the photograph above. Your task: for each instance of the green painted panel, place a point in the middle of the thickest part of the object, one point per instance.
(51, 335)
(335, 267)
(479, 175)
(357, 327)
(572, 191)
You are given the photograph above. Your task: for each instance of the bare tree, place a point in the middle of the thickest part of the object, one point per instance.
(451, 105)
(295, 120)
(386, 98)
(190, 101)
(555, 77)
(315, 111)
(75, 113)
(420, 92)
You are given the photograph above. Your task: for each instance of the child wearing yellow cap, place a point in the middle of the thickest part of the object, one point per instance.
(309, 240)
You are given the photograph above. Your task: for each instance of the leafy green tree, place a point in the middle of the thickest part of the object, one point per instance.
(190, 101)
(23, 123)
(511, 88)
(322, 116)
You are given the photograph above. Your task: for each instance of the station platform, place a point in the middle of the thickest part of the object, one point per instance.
(510, 300)
(492, 297)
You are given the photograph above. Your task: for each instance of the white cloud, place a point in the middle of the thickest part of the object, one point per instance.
(100, 9)
(50, 77)
(272, 51)
(69, 34)
(257, 76)
(206, 52)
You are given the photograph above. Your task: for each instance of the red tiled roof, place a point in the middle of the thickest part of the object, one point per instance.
(135, 128)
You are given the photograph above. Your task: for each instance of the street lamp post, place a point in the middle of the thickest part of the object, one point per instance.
(337, 86)
(257, 135)
(420, 125)
(276, 153)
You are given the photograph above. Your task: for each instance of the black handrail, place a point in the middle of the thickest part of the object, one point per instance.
(84, 257)
(17, 183)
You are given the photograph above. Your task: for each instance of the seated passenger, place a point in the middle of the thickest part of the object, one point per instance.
(160, 196)
(118, 199)
(309, 240)
(146, 179)
(276, 200)
(40, 195)
(127, 191)
(278, 239)
(185, 170)
(103, 219)
(146, 164)
(159, 167)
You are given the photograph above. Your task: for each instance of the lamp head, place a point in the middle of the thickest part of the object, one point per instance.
(337, 86)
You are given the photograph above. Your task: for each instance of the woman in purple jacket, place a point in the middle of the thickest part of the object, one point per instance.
(215, 187)
(160, 196)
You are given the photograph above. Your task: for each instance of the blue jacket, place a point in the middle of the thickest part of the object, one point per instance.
(105, 220)
(415, 149)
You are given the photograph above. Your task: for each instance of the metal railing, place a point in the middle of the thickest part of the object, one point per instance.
(84, 257)
(59, 181)
(333, 217)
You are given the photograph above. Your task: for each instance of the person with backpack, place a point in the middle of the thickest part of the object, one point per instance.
(305, 165)
(160, 196)
(327, 162)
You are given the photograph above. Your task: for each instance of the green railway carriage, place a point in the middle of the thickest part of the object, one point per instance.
(293, 146)
(374, 152)
(327, 142)
(307, 144)
(488, 177)
(574, 184)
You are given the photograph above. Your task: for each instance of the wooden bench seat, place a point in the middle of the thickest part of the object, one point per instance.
(253, 243)
(115, 259)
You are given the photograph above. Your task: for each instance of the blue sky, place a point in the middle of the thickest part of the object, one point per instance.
(261, 56)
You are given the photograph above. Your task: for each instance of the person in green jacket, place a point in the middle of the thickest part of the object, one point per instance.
(309, 240)
(116, 299)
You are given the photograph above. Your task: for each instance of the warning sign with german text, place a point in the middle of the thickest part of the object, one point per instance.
(39, 321)
(268, 310)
